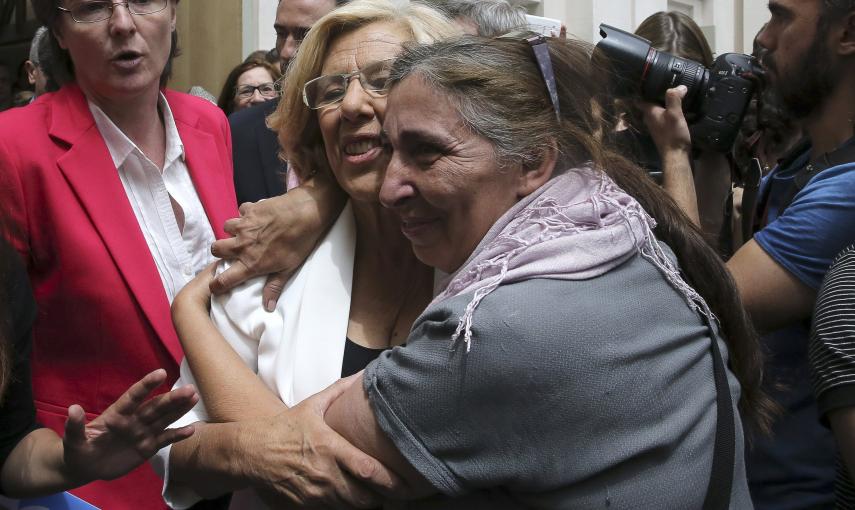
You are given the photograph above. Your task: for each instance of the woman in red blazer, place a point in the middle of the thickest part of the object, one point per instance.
(104, 319)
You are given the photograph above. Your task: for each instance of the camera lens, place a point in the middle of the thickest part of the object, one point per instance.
(664, 71)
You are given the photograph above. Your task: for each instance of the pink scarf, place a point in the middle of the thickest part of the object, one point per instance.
(577, 226)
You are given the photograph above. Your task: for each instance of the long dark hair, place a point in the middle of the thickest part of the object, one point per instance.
(499, 91)
(677, 34)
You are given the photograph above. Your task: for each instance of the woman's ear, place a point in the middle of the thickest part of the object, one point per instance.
(536, 176)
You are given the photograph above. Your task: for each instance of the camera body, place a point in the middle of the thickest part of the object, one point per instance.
(716, 98)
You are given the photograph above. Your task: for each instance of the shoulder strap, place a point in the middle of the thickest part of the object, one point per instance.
(724, 451)
(844, 154)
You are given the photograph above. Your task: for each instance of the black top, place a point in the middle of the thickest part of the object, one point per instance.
(17, 313)
(259, 173)
(356, 357)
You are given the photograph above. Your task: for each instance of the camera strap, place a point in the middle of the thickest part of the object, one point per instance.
(724, 448)
(839, 156)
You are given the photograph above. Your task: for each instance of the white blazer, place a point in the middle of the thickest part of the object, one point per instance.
(297, 350)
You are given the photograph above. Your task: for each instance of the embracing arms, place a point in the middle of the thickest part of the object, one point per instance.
(274, 236)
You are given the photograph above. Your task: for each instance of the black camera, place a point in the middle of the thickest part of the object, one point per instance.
(716, 100)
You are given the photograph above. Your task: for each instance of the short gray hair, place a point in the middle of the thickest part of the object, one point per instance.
(34, 46)
(492, 17)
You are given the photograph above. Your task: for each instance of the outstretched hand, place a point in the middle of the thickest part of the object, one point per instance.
(128, 433)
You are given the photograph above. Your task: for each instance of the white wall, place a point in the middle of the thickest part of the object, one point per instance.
(258, 17)
(730, 33)
(754, 15)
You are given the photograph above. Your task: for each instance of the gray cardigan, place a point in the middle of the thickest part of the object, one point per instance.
(575, 394)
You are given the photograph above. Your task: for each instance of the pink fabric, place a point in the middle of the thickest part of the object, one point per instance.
(577, 226)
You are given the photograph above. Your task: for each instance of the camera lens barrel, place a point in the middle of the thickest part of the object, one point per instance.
(665, 71)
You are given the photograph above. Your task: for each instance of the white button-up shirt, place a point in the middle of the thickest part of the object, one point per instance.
(179, 254)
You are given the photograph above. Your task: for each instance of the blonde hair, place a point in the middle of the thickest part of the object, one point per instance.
(297, 125)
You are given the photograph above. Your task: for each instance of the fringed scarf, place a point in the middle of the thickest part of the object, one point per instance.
(577, 226)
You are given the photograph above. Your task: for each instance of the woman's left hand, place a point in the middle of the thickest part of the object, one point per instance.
(128, 433)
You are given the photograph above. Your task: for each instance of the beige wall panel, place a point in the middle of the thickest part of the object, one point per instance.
(210, 37)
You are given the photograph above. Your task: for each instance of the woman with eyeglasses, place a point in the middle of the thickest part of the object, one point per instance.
(115, 188)
(357, 294)
(250, 83)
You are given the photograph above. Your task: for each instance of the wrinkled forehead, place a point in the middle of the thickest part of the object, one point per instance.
(348, 54)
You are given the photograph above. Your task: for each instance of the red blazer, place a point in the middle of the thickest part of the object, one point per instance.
(103, 317)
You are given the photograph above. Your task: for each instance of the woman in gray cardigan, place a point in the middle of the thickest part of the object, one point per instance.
(572, 357)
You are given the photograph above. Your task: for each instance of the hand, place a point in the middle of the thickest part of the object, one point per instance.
(196, 294)
(271, 237)
(667, 126)
(128, 433)
(297, 460)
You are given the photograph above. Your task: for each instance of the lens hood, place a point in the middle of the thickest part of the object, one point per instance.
(627, 52)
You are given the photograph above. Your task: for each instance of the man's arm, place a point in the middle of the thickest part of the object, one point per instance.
(274, 236)
(772, 296)
(669, 131)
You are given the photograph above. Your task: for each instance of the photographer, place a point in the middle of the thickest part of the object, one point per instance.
(677, 34)
(805, 216)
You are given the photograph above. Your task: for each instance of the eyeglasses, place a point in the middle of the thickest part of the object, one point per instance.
(331, 89)
(268, 90)
(540, 48)
(93, 12)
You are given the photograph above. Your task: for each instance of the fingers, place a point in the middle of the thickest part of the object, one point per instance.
(273, 289)
(131, 400)
(355, 494)
(75, 425)
(322, 401)
(674, 98)
(226, 248)
(163, 410)
(169, 436)
(369, 472)
(236, 274)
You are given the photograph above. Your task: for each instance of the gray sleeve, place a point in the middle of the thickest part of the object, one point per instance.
(548, 399)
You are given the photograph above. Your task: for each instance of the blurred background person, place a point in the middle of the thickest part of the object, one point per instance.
(259, 171)
(250, 83)
(487, 18)
(805, 217)
(832, 365)
(35, 72)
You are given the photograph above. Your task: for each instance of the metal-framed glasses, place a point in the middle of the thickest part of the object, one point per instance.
(540, 48)
(329, 90)
(268, 90)
(94, 11)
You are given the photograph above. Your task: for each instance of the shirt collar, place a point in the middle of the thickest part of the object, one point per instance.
(120, 146)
